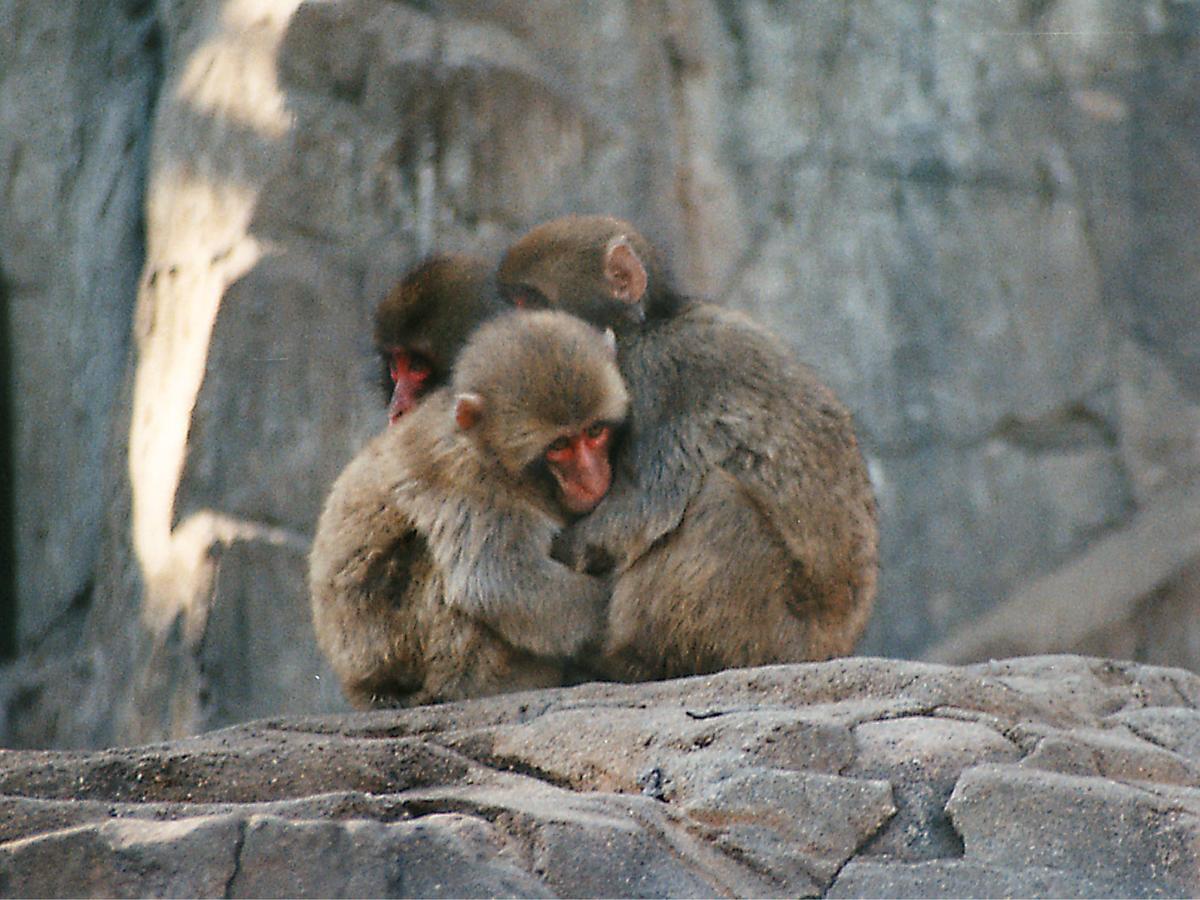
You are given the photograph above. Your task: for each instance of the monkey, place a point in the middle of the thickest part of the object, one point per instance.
(741, 528)
(423, 322)
(430, 574)
(364, 620)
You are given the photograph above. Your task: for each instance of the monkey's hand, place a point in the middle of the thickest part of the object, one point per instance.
(502, 574)
(572, 548)
(607, 541)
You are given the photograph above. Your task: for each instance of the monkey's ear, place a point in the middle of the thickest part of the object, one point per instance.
(623, 270)
(610, 341)
(468, 410)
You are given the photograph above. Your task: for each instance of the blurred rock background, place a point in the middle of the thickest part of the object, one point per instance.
(976, 219)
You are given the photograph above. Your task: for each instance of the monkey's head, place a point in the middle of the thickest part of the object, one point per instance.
(597, 267)
(422, 324)
(540, 394)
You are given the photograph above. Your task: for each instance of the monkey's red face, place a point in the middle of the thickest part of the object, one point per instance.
(410, 373)
(579, 463)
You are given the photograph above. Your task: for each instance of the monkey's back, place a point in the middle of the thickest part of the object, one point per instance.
(733, 397)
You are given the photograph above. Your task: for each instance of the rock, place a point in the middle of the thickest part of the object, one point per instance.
(1170, 727)
(1111, 754)
(78, 89)
(821, 819)
(1134, 843)
(712, 786)
(437, 856)
(959, 878)
(923, 757)
(189, 857)
(975, 220)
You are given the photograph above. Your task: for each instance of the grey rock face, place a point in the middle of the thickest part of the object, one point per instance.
(931, 752)
(77, 86)
(1139, 843)
(974, 219)
(961, 879)
(849, 778)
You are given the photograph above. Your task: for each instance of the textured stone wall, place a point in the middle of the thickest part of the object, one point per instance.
(972, 218)
(78, 84)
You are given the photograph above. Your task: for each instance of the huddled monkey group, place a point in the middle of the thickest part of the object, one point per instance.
(586, 475)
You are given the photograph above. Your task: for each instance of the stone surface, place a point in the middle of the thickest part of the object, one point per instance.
(440, 855)
(1136, 843)
(960, 879)
(923, 757)
(974, 219)
(77, 87)
(1174, 729)
(714, 786)
(188, 857)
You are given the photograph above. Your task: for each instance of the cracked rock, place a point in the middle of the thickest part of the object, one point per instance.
(807, 780)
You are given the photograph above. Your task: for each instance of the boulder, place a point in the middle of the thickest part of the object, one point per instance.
(857, 777)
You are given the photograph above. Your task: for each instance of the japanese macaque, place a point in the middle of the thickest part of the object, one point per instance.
(422, 324)
(741, 526)
(372, 614)
(431, 574)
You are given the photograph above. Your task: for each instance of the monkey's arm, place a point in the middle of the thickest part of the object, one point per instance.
(652, 490)
(502, 575)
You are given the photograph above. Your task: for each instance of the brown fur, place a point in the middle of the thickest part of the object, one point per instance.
(430, 572)
(741, 523)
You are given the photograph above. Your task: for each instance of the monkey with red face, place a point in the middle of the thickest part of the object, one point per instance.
(741, 527)
(423, 322)
(430, 573)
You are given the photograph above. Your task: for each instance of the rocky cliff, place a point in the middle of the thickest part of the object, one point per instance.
(1040, 777)
(976, 220)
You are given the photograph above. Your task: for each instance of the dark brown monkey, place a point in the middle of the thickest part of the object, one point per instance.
(464, 496)
(422, 324)
(741, 525)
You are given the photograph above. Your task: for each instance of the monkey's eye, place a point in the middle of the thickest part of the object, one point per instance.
(559, 448)
(409, 367)
(597, 430)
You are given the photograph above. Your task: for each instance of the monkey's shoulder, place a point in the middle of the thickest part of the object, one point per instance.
(755, 358)
(363, 485)
(716, 357)
(733, 394)
(704, 335)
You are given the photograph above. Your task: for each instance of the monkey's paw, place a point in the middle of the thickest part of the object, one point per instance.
(572, 549)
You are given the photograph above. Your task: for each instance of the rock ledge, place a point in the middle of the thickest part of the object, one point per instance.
(1044, 776)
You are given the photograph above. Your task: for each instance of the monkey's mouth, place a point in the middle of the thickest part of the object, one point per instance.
(579, 500)
(585, 476)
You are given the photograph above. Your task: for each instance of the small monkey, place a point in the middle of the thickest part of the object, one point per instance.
(365, 620)
(458, 504)
(422, 324)
(741, 526)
